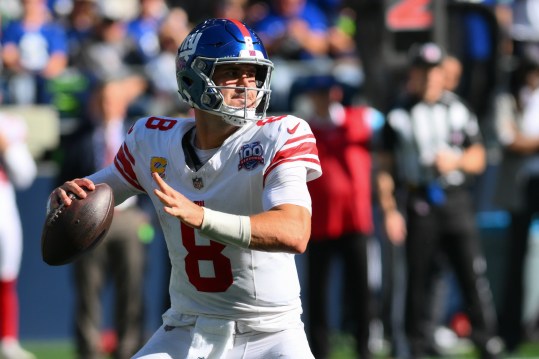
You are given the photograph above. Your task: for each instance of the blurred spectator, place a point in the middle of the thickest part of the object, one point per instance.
(329, 7)
(341, 35)
(121, 256)
(436, 148)
(79, 26)
(231, 9)
(104, 57)
(516, 117)
(34, 49)
(483, 38)
(342, 224)
(17, 171)
(294, 29)
(525, 26)
(344, 54)
(70, 89)
(144, 29)
(164, 88)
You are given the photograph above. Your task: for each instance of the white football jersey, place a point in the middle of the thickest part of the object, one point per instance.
(259, 288)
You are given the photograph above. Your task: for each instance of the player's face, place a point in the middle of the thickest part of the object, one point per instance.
(236, 78)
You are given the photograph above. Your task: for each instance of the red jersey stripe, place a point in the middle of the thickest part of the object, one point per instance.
(305, 148)
(302, 159)
(299, 138)
(126, 176)
(126, 168)
(129, 155)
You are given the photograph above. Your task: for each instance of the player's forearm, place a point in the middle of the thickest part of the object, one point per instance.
(285, 228)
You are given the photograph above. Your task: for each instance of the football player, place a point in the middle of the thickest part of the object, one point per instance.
(229, 187)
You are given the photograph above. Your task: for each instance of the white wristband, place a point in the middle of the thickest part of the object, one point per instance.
(227, 228)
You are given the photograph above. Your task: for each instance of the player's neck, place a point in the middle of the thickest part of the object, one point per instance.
(212, 132)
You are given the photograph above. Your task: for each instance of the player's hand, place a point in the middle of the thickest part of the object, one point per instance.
(395, 227)
(177, 205)
(61, 195)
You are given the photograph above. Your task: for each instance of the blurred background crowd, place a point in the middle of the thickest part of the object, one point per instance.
(78, 72)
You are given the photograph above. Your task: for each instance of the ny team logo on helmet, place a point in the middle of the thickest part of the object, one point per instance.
(215, 42)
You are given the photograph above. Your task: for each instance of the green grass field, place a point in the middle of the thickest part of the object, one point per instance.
(343, 350)
(50, 349)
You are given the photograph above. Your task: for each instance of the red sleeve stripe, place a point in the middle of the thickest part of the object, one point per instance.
(304, 148)
(305, 151)
(313, 163)
(126, 177)
(129, 155)
(126, 169)
(307, 137)
(307, 158)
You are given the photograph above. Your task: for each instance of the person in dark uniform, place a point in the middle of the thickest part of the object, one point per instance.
(91, 147)
(517, 191)
(434, 142)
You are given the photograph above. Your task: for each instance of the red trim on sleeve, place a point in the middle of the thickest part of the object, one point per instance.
(125, 167)
(298, 138)
(294, 154)
(129, 155)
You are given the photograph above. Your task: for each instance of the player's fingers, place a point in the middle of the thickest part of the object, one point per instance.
(166, 189)
(161, 182)
(164, 198)
(53, 201)
(159, 195)
(169, 205)
(170, 211)
(62, 196)
(85, 182)
(75, 188)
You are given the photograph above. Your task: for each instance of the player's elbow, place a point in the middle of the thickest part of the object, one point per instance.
(300, 248)
(299, 241)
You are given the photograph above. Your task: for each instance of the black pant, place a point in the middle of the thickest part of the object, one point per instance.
(450, 229)
(121, 258)
(358, 308)
(511, 328)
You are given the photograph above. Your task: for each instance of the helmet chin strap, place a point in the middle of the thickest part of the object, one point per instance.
(239, 117)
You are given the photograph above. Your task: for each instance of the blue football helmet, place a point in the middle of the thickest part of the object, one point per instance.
(215, 42)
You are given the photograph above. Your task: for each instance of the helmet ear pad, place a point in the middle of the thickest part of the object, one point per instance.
(199, 82)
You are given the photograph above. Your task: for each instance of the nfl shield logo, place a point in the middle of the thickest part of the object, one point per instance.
(197, 183)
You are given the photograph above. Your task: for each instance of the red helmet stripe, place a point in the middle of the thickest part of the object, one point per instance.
(242, 27)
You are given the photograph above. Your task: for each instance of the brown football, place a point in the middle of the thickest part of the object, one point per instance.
(70, 231)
